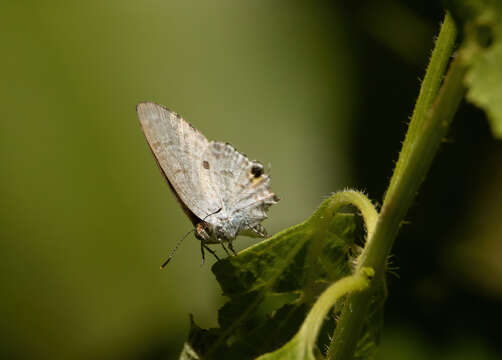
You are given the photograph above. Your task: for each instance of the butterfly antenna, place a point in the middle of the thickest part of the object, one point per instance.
(216, 212)
(173, 251)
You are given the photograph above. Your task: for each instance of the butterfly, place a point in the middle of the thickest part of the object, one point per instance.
(223, 193)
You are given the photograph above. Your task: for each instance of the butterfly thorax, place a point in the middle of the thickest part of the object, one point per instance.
(218, 229)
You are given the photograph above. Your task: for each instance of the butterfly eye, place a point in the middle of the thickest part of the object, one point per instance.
(257, 170)
(205, 164)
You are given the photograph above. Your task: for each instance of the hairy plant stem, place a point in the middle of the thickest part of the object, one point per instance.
(322, 218)
(313, 322)
(431, 118)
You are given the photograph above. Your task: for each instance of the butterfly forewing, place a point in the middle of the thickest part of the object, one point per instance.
(178, 148)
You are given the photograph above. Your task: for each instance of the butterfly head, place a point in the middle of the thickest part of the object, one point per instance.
(203, 231)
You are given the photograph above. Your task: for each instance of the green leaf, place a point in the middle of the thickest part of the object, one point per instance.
(302, 345)
(482, 50)
(272, 285)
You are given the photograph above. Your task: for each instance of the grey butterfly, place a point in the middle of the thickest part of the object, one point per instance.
(222, 192)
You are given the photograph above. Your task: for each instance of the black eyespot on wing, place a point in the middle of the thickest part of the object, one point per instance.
(257, 170)
(205, 165)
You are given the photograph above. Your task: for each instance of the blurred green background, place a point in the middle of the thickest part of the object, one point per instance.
(321, 91)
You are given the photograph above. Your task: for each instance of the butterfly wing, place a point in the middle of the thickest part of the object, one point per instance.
(244, 188)
(178, 148)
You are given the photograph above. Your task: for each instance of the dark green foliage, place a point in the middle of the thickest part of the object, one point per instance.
(482, 50)
(267, 286)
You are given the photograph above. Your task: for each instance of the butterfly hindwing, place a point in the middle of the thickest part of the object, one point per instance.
(244, 187)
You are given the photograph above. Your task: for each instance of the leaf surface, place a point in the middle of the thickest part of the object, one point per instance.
(482, 50)
(272, 285)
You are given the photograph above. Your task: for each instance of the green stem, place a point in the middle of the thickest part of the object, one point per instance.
(351, 284)
(329, 207)
(430, 86)
(429, 125)
(320, 220)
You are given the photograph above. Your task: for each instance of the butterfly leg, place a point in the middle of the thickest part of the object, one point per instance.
(202, 252)
(223, 246)
(231, 246)
(204, 246)
(259, 230)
